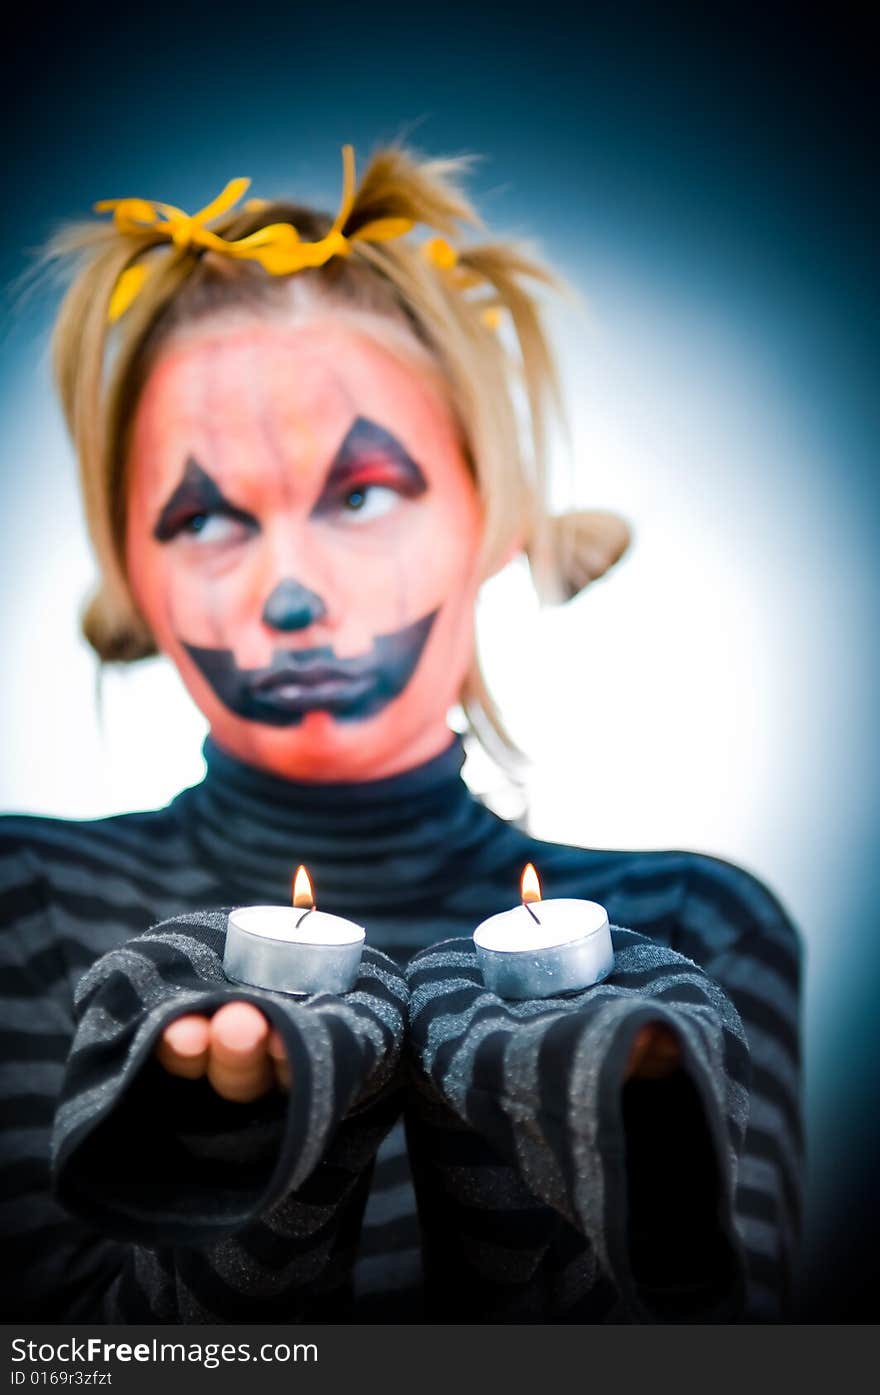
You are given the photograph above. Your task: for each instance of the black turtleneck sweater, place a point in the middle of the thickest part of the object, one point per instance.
(547, 1189)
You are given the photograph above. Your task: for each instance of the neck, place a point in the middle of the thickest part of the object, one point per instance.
(359, 839)
(412, 855)
(324, 766)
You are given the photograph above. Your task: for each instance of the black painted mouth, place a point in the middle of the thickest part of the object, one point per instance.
(299, 681)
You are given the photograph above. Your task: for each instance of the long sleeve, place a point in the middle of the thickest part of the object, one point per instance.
(168, 1203)
(236, 1212)
(741, 934)
(550, 1189)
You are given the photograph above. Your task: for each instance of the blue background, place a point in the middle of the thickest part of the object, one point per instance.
(721, 161)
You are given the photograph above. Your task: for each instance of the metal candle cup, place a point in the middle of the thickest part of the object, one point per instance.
(544, 949)
(292, 950)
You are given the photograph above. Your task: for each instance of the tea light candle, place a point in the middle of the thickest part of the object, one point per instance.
(543, 948)
(293, 949)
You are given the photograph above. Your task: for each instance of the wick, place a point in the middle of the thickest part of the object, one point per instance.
(531, 913)
(307, 911)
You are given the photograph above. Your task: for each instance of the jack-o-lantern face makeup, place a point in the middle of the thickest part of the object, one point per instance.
(302, 538)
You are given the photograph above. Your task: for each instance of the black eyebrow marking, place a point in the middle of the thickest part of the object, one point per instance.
(197, 493)
(365, 437)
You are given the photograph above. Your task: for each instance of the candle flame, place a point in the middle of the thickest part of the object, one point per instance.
(530, 885)
(303, 896)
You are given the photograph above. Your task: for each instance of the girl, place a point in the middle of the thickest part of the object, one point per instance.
(303, 446)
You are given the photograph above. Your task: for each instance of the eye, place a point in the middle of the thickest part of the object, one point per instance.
(206, 528)
(368, 501)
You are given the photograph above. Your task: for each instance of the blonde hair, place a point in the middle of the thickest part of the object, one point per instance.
(502, 399)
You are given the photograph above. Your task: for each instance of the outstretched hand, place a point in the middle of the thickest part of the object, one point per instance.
(237, 1049)
(244, 1057)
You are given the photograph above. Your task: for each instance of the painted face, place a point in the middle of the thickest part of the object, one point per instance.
(302, 539)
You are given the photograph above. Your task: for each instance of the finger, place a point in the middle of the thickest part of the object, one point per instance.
(655, 1053)
(239, 1066)
(183, 1046)
(278, 1054)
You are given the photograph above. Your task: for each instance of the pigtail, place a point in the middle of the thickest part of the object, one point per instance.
(586, 543)
(396, 185)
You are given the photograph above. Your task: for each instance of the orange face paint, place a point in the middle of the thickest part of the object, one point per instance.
(302, 537)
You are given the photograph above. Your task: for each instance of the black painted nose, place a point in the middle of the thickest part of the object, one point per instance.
(292, 606)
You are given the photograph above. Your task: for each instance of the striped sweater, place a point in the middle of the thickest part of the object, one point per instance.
(551, 1190)
(418, 860)
(233, 1213)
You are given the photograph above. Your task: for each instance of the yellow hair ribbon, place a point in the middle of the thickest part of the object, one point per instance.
(127, 287)
(183, 229)
(277, 247)
(445, 257)
(440, 252)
